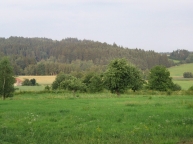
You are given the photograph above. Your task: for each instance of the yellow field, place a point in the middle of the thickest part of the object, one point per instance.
(42, 80)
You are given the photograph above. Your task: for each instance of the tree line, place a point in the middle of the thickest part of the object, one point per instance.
(184, 56)
(42, 56)
(119, 77)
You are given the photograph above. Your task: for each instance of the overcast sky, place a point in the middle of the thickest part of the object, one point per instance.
(159, 25)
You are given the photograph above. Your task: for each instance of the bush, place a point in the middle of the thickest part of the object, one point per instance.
(96, 84)
(191, 88)
(176, 87)
(188, 75)
(47, 88)
(28, 82)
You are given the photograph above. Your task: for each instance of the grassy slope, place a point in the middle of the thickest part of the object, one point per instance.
(48, 118)
(177, 73)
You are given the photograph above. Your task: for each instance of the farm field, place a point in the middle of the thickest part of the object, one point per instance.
(42, 80)
(96, 118)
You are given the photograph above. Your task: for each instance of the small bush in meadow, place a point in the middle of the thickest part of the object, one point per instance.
(169, 92)
(176, 87)
(47, 88)
(191, 88)
(188, 75)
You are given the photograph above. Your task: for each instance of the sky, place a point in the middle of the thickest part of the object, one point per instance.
(159, 25)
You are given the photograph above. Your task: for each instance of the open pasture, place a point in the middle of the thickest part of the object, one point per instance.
(96, 118)
(30, 88)
(42, 80)
(185, 84)
(177, 71)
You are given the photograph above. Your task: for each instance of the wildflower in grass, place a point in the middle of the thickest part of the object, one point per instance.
(98, 129)
(167, 121)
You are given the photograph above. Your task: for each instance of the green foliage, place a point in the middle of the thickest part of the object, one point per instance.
(26, 82)
(96, 84)
(68, 82)
(6, 78)
(188, 75)
(47, 88)
(120, 76)
(87, 78)
(137, 82)
(179, 54)
(74, 84)
(59, 79)
(176, 87)
(191, 88)
(42, 56)
(159, 79)
(93, 82)
(189, 59)
(31, 82)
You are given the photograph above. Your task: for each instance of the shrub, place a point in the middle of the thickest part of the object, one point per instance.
(28, 82)
(191, 88)
(188, 75)
(176, 87)
(47, 88)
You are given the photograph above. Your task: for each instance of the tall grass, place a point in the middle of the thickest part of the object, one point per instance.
(96, 118)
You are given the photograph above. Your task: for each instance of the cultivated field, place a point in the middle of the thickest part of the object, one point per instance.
(96, 118)
(42, 80)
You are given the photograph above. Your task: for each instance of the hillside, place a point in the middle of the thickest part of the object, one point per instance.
(177, 74)
(42, 56)
(177, 71)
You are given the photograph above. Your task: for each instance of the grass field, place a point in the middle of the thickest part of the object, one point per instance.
(30, 88)
(96, 118)
(184, 84)
(42, 80)
(177, 71)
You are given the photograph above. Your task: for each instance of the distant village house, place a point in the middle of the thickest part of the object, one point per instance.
(18, 82)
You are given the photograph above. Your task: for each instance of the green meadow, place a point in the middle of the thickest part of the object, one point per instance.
(54, 118)
(185, 84)
(30, 88)
(176, 73)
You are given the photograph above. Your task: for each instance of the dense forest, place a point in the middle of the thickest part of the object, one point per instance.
(43, 56)
(183, 56)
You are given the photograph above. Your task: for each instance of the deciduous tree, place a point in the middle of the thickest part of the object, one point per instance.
(120, 76)
(7, 79)
(159, 79)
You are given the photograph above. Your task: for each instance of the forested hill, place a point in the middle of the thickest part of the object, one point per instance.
(42, 56)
